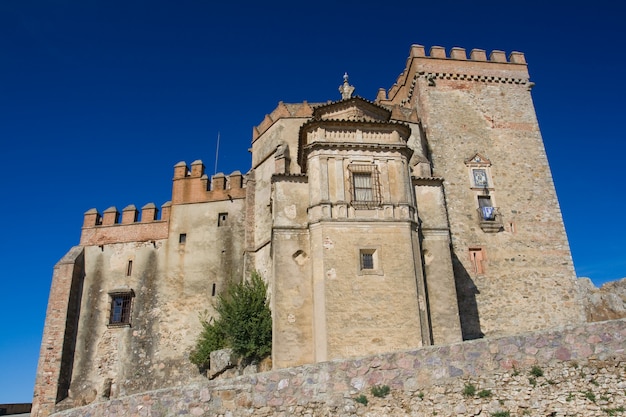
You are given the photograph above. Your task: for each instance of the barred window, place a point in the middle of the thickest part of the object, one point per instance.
(369, 262)
(367, 259)
(120, 308)
(365, 186)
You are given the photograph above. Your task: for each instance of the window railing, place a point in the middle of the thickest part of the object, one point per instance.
(365, 186)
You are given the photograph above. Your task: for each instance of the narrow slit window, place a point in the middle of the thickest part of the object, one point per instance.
(477, 256)
(129, 268)
(213, 290)
(222, 219)
(182, 238)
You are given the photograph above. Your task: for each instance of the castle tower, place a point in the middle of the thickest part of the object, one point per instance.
(512, 263)
(344, 241)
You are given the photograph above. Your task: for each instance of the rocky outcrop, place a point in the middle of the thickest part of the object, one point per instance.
(605, 303)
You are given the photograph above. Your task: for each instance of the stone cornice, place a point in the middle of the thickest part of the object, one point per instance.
(302, 178)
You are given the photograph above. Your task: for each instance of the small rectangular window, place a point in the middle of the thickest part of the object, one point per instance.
(129, 268)
(222, 219)
(367, 260)
(182, 238)
(120, 308)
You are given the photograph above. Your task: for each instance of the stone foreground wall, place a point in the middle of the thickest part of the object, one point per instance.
(584, 373)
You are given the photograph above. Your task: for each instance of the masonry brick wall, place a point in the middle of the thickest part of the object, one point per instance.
(58, 341)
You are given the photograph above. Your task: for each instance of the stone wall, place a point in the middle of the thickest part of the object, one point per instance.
(564, 372)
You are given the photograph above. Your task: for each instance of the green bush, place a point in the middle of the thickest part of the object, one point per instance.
(246, 318)
(501, 414)
(211, 338)
(244, 324)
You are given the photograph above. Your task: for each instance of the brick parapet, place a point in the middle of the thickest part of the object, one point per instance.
(193, 185)
(283, 110)
(330, 388)
(107, 229)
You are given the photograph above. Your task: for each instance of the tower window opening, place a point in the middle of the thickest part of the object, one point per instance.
(367, 260)
(120, 308)
(365, 186)
(477, 256)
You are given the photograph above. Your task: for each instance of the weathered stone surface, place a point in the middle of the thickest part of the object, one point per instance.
(605, 303)
(221, 360)
(529, 380)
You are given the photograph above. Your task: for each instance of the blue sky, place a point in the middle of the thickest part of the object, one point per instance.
(100, 99)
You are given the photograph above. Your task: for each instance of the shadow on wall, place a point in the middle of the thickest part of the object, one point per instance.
(466, 291)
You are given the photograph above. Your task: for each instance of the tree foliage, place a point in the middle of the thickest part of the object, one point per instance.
(244, 324)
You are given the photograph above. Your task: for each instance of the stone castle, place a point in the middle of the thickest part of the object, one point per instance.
(425, 217)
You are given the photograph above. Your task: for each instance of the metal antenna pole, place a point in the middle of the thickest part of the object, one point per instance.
(217, 151)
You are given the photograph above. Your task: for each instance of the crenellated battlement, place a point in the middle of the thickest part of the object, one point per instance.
(455, 64)
(439, 52)
(193, 185)
(283, 110)
(110, 228)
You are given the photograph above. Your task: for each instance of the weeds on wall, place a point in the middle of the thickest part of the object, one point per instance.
(380, 391)
(536, 371)
(614, 411)
(244, 324)
(469, 390)
(485, 393)
(361, 399)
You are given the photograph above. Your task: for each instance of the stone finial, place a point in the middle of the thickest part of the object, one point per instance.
(346, 89)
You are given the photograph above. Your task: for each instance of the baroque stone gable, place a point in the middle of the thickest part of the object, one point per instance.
(352, 109)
